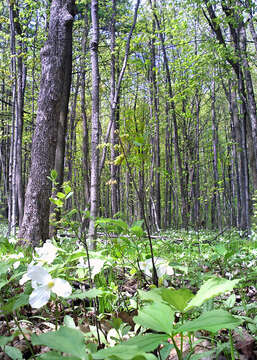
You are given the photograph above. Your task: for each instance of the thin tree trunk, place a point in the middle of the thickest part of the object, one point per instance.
(94, 187)
(215, 144)
(119, 82)
(86, 161)
(155, 183)
(184, 209)
(113, 118)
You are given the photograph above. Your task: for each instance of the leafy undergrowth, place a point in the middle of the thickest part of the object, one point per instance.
(54, 307)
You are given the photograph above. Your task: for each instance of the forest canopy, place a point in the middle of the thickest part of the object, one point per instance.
(155, 98)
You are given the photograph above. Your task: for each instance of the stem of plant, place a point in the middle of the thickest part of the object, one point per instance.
(232, 351)
(179, 353)
(25, 338)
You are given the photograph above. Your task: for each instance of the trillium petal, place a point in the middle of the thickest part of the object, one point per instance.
(39, 297)
(61, 287)
(39, 274)
(16, 264)
(170, 270)
(97, 265)
(24, 279)
(46, 253)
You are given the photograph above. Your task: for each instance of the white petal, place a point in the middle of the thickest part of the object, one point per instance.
(39, 297)
(169, 270)
(96, 266)
(39, 274)
(161, 270)
(16, 264)
(46, 253)
(61, 287)
(81, 263)
(24, 279)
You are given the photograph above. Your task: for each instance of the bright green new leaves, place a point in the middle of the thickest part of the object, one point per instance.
(213, 287)
(156, 316)
(211, 321)
(65, 339)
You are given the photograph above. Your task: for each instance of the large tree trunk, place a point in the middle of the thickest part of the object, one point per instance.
(35, 225)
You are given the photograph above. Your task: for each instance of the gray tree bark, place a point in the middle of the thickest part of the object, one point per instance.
(94, 188)
(35, 224)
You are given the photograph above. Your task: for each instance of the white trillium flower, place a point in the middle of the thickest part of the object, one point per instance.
(43, 284)
(46, 253)
(96, 265)
(162, 267)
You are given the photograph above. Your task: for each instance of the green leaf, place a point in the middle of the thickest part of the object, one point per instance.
(147, 342)
(137, 231)
(53, 355)
(205, 355)
(67, 189)
(4, 268)
(13, 353)
(176, 298)
(15, 303)
(165, 351)
(230, 302)
(3, 283)
(211, 321)
(69, 322)
(212, 287)
(122, 352)
(60, 195)
(156, 316)
(5, 339)
(152, 295)
(54, 174)
(65, 339)
(90, 294)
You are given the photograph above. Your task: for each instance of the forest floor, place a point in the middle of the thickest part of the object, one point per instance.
(106, 307)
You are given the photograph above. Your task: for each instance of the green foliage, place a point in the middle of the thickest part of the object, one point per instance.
(66, 339)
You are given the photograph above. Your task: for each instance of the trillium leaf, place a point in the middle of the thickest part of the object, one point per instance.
(211, 321)
(152, 295)
(53, 355)
(13, 353)
(122, 352)
(178, 299)
(212, 287)
(5, 339)
(90, 294)
(156, 316)
(147, 342)
(65, 339)
(69, 322)
(15, 303)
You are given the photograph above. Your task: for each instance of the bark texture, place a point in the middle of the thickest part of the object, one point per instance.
(94, 190)
(35, 225)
